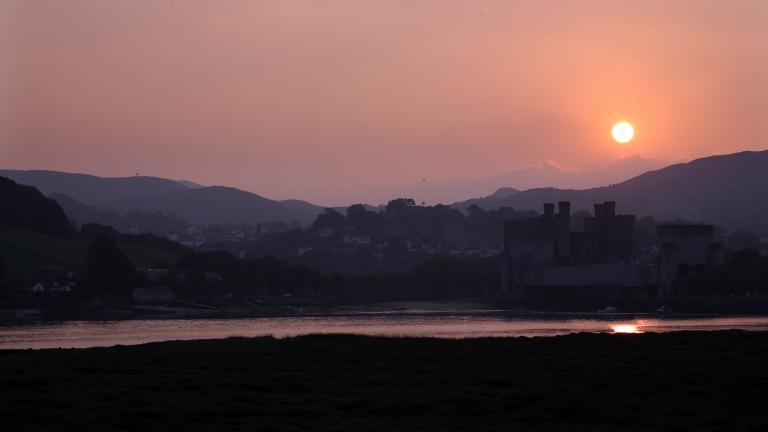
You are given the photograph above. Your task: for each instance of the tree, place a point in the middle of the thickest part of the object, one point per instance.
(91, 230)
(395, 251)
(221, 262)
(330, 218)
(109, 268)
(399, 205)
(742, 239)
(361, 218)
(475, 212)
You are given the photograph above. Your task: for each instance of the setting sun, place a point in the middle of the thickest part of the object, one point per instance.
(623, 132)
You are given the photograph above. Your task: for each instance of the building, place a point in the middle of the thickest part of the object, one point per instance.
(356, 240)
(607, 237)
(49, 280)
(543, 255)
(682, 249)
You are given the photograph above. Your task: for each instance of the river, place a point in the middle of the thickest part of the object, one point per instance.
(85, 334)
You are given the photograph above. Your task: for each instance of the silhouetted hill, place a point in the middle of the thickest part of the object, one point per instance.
(219, 204)
(493, 201)
(194, 203)
(100, 192)
(25, 207)
(82, 214)
(727, 190)
(24, 250)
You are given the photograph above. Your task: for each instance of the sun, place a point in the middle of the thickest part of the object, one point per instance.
(623, 132)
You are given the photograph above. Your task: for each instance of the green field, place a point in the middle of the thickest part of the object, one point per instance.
(26, 250)
(582, 382)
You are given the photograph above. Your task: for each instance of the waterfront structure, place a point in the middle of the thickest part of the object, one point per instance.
(542, 255)
(684, 248)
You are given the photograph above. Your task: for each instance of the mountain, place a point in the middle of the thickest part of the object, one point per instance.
(25, 207)
(545, 174)
(495, 200)
(726, 190)
(551, 174)
(100, 192)
(194, 203)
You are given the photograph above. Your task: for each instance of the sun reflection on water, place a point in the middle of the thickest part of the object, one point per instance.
(625, 328)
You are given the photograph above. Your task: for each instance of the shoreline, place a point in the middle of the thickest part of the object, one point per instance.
(148, 313)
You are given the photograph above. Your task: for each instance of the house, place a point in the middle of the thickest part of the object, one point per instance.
(356, 240)
(39, 287)
(326, 232)
(32, 287)
(49, 280)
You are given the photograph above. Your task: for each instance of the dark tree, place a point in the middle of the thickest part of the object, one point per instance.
(475, 212)
(109, 268)
(400, 205)
(221, 262)
(395, 250)
(91, 230)
(361, 218)
(330, 218)
(742, 239)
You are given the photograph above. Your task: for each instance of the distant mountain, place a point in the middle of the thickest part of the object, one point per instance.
(727, 190)
(545, 174)
(495, 200)
(196, 204)
(25, 207)
(551, 174)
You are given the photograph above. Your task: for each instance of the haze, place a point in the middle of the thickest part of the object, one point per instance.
(346, 101)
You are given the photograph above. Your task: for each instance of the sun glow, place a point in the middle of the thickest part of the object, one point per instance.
(623, 132)
(625, 328)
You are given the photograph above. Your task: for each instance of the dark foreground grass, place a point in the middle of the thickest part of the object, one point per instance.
(683, 381)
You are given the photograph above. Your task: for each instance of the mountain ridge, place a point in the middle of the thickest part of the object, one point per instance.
(724, 189)
(194, 204)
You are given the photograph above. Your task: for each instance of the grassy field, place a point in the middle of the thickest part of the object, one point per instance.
(589, 382)
(26, 250)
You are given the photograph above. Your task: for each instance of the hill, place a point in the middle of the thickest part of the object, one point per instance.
(194, 203)
(25, 207)
(726, 190)
(493, 201)
(82, 214)
(24, 250)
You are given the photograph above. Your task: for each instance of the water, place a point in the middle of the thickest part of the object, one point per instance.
(84, 334)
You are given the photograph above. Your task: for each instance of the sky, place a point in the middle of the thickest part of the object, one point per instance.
(342, 101)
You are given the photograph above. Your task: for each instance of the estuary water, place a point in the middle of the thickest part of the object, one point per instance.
(85, 334)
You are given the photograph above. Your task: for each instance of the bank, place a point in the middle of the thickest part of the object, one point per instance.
(675, 381)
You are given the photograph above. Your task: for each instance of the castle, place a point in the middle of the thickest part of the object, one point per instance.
(544, 257)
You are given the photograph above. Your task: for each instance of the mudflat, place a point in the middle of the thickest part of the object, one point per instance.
(591, 382)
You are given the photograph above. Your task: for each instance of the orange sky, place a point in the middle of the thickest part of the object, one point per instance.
(341, 101)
